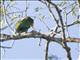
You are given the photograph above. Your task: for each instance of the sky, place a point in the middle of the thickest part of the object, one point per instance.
(28, 48)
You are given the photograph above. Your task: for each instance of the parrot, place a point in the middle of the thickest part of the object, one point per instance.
(24, 24)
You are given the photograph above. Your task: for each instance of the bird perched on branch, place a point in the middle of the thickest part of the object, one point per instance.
(24, 24)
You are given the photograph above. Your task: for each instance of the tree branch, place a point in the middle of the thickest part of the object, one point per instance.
(35, 34)
(47, 47)
(65, 46)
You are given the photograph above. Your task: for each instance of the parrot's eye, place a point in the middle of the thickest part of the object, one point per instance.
(30, 20)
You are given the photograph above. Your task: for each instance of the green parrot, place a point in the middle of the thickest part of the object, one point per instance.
(24, 24)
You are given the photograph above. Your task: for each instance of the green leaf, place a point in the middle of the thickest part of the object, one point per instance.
(61, 4)
(73, 10)
(1, 23)
(64, 13)
(2, 10)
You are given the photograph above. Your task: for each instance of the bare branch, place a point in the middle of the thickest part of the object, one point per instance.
(5, 37)
(47, 47)
(63, 30)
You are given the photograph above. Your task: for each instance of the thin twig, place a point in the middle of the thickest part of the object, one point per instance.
(47, 47)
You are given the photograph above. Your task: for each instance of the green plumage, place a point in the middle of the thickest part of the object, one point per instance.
(24, 25)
